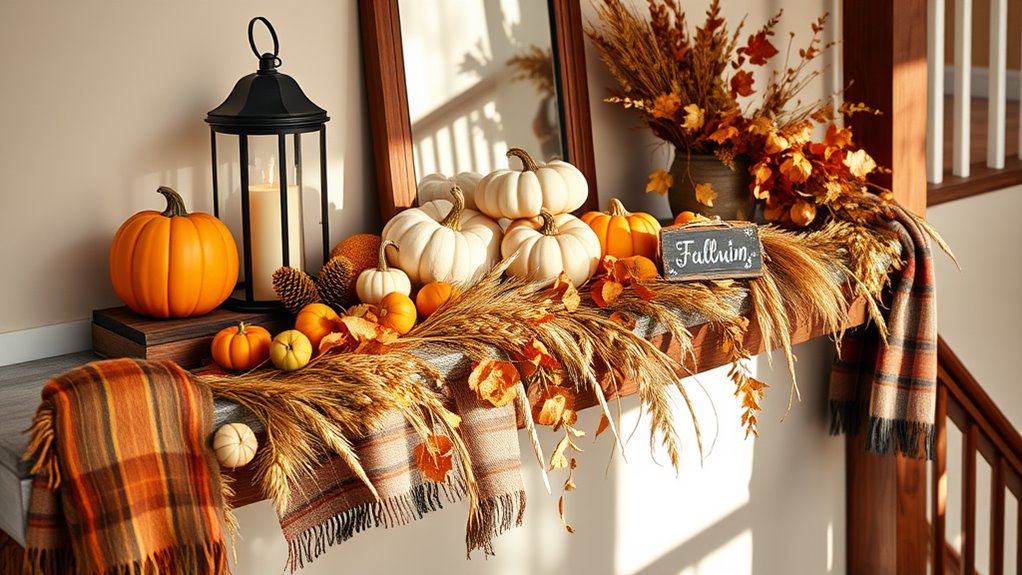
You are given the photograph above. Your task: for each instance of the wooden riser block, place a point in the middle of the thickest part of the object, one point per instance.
(119, 332)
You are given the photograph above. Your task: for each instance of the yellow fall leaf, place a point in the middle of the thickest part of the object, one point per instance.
(695, 117)
(860, 164)
(558, 459)
(705, 194)
(665, 106)
(660, 181)
(796, 168)
(775, 143)
(495, 382)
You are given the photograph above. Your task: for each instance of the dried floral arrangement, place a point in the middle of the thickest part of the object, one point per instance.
(708, 91)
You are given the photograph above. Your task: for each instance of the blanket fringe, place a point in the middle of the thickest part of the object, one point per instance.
(912, 438)
(883, 436)
(845, 417)
(207, 558)
(391, 512)
(496, 515)
(41, 451)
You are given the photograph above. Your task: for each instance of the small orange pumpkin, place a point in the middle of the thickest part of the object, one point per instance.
(396, 311)
(316, 320)
(623, 233)
(689, 216)
(172, 263)
(433, 295)
(241, 347)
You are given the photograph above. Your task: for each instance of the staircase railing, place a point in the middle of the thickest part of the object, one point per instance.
(986, 432)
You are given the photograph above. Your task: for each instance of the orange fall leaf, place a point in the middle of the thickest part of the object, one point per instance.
(495, 382)
(434, 457)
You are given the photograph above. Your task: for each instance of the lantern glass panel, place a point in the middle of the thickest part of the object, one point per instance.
(265, 176)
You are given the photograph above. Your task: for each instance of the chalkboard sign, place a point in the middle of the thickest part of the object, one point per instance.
(711, 251)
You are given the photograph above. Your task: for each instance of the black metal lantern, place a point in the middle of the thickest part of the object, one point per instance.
(267, 116)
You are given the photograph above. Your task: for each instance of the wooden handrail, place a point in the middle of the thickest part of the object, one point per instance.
(980, 408)
(980, 180)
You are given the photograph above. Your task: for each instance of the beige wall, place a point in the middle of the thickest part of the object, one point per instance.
(104, 101)
(110, 104)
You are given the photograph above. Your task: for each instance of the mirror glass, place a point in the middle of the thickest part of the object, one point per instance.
(480, 79)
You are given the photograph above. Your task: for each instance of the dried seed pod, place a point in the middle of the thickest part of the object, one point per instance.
(294, 288)
(336, 282)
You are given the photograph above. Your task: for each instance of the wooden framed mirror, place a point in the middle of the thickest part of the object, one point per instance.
(394, 147)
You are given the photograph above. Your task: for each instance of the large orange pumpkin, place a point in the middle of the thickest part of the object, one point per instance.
(241, 347)
(623, 233)
(172, 263)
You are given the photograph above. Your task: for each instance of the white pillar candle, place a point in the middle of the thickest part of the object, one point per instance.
(267, 244)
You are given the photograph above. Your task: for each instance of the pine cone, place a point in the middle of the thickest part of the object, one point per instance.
(336, 282)
(294, 288)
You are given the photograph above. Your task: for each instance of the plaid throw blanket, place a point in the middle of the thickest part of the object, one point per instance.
(333, 505)
(125, 481)
(892, 387)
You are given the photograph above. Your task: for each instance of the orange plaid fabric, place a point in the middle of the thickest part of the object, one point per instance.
(125, 481)
(891, 386)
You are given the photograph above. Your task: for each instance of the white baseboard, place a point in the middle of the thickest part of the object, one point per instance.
(46, 341)
(980, 82)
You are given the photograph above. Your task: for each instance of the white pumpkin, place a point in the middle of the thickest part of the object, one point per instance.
(374, 283)
(438, 187)
(550, 244)
(234, 444)
(558, 187)
(441, 241)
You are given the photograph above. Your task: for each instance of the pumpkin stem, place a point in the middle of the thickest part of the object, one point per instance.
(453, 218)
(618, 209)
(175, 205)
(527, 162)
(241, 328)
(382, 264)
(549, 227)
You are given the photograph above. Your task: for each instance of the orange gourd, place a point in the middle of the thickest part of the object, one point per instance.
(396, 311)
(172, 263)
(241, 347)
(623, 233)
(433, 295)
(316, 320)
(688, 216)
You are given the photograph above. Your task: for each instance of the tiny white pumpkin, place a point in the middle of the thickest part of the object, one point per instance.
(550, 244)
(374, 283)
(441, 241)
(438, 187)
(235, 445)
(557, 187)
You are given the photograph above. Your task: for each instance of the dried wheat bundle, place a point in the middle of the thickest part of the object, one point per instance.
(316, 409)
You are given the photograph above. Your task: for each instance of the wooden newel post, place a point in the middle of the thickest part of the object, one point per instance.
(885, 55)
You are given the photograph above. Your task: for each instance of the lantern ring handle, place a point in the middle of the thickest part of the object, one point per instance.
(273, 34)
